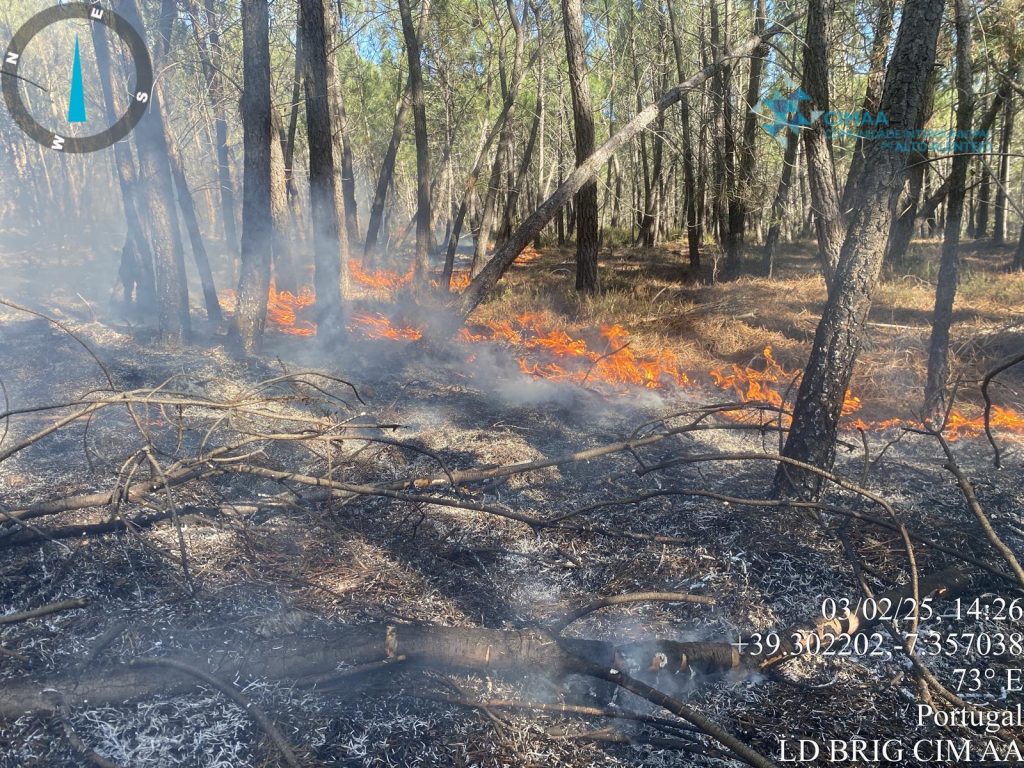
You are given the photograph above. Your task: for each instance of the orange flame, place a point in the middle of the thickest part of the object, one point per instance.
(283, 308)
(374, 325)
(768, 385)
(612, 366)
(381, 280)
(616, 364)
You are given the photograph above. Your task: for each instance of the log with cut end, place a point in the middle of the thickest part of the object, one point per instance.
(495, 651)
(299, 658)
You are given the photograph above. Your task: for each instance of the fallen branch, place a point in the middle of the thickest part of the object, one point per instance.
(44, 610)
(975, 506)
(1005, 365)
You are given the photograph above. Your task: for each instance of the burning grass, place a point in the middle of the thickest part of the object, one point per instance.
(747, 337)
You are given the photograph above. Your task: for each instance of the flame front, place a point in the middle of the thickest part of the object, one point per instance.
(283, 309)
(607, 362)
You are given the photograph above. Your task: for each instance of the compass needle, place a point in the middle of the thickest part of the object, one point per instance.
(76, 104)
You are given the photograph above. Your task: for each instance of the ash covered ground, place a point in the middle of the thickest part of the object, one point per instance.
(269, 558)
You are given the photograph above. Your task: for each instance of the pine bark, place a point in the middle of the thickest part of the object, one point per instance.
(837, 341)
(419, 118)
(324, 190)
(820, 163)
(945, 292)
(587, 280)
(254, 281)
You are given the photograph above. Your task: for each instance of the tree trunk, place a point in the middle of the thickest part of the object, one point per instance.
(136, 270)
(156, 191)
(945, 291)
(779, 205)
(984, 198)
(873, 92)
(254, 282)
(522, 173)
(819, 403)
(210, 58)
(285, 276)
(503, 257)
(821, 171)
(387, 170)
(324, 191)
(999, 222)
(419, 118)
(728, 206)
(339, 133)
(504, 143)
(693, 233)
(587, 280)
(902, 231)
(745, 173)
(188, 215)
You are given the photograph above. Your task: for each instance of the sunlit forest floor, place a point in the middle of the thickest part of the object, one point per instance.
(270, 558)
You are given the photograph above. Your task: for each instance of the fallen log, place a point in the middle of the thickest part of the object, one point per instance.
(296, 658)
(465, 648)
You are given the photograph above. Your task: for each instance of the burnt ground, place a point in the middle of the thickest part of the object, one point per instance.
(268, 559)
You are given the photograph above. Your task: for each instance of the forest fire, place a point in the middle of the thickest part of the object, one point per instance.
(283, 309)
(611, 367)
(385, 281)
(374, 325)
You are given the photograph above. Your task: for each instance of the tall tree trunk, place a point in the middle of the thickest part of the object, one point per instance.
(326, 208)
(727, 207)
(285, 276)
(984, 198)
(158, 210)
(339, 132)
(779, 205)
(587, 280)
(486, 139)
(945, 291)
(908, 207)
(293, 123)
(693, 233)
(999, 220)
(188, 215)
(648, 234)
(419, 118)
(504, 143)
(522, 172)
(819, 402)
(211, 61)
(821, 171)
(387, 170)
(184, 194)
(254, 283)
(745, 173)
(881, 39)
(136, 270)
